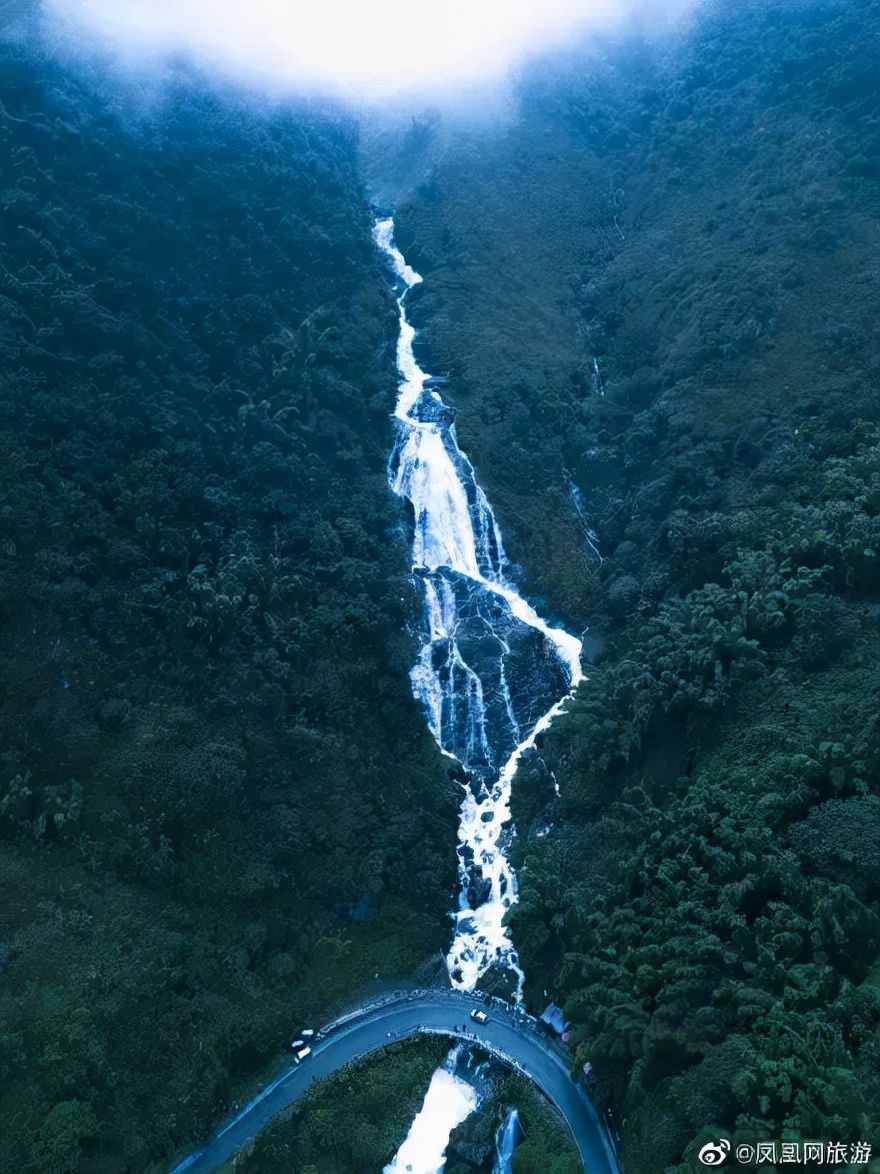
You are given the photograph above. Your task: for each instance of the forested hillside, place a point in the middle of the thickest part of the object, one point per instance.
(220, 808)
(656, 294)
(353, 1120)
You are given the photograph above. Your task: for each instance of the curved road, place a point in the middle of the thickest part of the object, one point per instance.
(509, 1034)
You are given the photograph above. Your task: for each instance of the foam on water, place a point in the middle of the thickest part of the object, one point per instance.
(507, 1137)
(491, 674)
(448, 1101)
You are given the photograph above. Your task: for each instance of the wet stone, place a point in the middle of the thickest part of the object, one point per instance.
(479, 891)
(430, 410)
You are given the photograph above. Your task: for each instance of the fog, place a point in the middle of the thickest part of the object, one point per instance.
(357, 49)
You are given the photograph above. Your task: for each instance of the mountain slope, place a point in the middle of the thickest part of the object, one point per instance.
(656, 295)
(220, 808)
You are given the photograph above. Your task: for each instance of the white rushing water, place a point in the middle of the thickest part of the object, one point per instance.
(491, 674)
(507, 1137)
(448, 1101)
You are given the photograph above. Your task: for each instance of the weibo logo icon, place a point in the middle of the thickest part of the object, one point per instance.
(714, 1153)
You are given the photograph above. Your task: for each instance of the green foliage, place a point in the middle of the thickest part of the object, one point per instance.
(69, 1126)
(220, 808)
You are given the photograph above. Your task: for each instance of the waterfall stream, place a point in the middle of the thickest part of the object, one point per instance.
(448, 1101)
(507, 1137)
(491, 676)
(491, 673)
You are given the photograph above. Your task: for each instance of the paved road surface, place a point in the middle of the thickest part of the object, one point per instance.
(508, 1035)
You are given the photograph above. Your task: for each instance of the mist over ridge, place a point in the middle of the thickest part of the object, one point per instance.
(364, 52)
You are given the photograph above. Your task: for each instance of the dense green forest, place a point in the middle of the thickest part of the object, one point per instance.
(656, 293)
(220, 808)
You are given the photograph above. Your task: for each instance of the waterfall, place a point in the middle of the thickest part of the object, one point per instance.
(491, 673)
(507, 1138)
(448, 1101)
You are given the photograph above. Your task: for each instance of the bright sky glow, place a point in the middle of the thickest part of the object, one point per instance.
(360, 48)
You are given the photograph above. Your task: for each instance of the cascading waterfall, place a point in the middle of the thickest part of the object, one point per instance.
(448, 1101)
(491, 674)
(507, 1138)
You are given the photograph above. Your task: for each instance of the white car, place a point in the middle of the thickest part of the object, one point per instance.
(302, 1054)
(479, 1016)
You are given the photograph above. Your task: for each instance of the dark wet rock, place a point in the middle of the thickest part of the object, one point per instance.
(429, 410)
(478, 1155)
(479, 891)
(518, 668)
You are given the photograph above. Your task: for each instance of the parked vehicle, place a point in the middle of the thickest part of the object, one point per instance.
(297, 1044)
(302, 1054)
(479, 1016)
